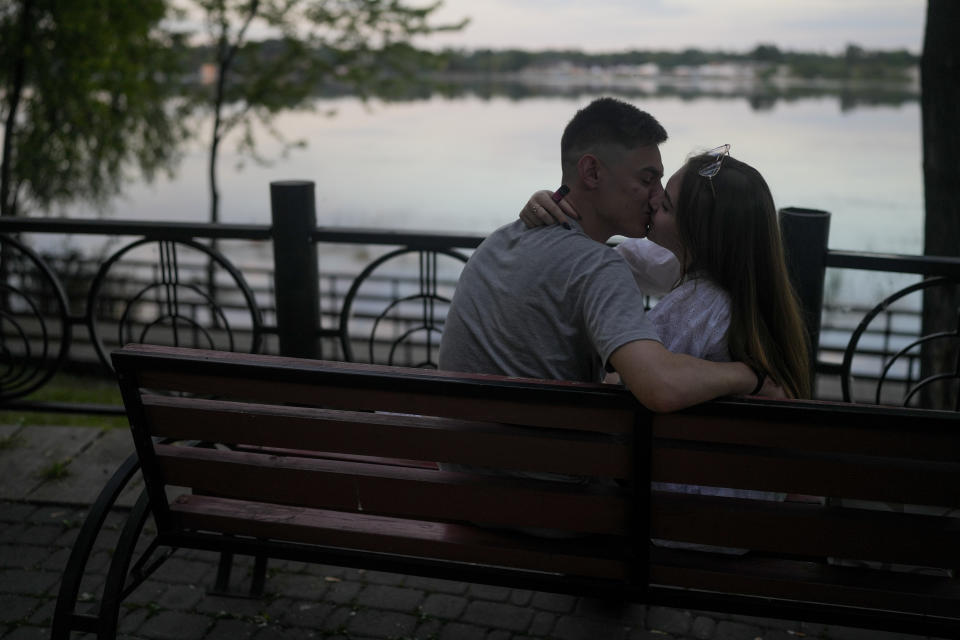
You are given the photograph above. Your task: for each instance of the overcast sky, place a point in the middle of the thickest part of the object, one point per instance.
(733, 25)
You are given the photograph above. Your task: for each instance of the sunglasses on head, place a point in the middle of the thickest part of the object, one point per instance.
(712, 168)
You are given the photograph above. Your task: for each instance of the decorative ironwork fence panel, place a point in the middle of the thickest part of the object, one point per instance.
(170, 284)
(383, 300)
(400, 320)
(191, 296)
(35, 327)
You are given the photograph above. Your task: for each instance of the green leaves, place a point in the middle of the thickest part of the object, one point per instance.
(83, 97)
(89, 90)
(360, 45)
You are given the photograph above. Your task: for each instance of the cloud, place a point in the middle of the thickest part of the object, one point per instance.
(610, 25)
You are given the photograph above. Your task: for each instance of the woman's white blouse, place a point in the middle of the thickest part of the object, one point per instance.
(691, 318)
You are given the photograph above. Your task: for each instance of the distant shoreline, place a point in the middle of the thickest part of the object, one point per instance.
(691, 81)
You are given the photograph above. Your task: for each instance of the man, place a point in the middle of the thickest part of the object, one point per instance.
(557, 303)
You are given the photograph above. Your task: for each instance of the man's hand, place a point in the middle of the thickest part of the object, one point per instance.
(771, 389)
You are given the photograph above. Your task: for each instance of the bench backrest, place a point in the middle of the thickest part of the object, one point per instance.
(883, 537)
(299, 458)
(312, 435)
(821, 449)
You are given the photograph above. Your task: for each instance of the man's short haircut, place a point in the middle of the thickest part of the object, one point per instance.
(607, 121)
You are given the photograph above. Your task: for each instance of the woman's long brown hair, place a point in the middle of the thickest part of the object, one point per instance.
(734, 238)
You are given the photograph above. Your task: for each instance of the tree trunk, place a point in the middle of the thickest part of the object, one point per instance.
(940, 81)
(222, 68)
(8, 195)
(226, 51)
(214, 188)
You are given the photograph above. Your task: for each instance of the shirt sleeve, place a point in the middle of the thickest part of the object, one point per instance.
(611, 307)
(655, 269)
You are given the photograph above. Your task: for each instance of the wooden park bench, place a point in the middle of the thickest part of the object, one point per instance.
(335, 463)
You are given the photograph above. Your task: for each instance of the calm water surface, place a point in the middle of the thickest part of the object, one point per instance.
(469, 164)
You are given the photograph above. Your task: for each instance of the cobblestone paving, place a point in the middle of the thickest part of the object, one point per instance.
(311, 601)
(39, 520)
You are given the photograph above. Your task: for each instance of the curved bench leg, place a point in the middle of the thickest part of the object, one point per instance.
(113, 589)
(64, 618)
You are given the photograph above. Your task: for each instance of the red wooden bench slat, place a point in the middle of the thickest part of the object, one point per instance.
(367, 488)
(905, 481)
(403, 436)
(799, 580)
(806, 529)
(342, 397)
(330, 455)
(871, 434)
(461, 543)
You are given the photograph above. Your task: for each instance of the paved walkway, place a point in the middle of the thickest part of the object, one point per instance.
(49, 475)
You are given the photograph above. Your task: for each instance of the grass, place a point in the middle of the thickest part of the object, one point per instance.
(56, 470)
(66, 387)
(10, 442)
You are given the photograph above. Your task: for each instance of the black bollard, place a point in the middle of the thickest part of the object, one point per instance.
(805, 234)
(295, 270)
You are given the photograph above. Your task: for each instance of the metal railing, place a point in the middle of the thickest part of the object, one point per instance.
(189, 284)
(894, 354)
(171, 283)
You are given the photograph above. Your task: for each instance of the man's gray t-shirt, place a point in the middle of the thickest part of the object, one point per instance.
(546, 302)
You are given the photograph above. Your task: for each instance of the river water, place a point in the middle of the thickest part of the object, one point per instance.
(468, 164)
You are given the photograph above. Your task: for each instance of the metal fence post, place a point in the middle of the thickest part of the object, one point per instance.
(295, 276)
(805, 233)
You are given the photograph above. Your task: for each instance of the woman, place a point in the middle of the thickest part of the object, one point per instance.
(732, 298)
(729, 296)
